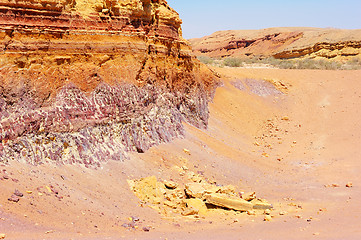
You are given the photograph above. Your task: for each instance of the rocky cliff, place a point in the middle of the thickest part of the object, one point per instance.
(281, 43)
(87, 80)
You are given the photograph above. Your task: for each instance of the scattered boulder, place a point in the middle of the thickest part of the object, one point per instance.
(2, 235)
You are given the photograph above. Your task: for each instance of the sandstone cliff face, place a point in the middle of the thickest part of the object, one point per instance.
(282, 43)
(86, 81)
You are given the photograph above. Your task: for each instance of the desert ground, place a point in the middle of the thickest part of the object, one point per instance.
(295, 142)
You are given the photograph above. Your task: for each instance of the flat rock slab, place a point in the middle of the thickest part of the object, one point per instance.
(261, 205)
(222, 200)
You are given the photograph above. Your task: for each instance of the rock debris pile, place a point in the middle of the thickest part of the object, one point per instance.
(197, 199)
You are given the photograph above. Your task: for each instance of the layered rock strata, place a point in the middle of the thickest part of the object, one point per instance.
(86, 81)
(281, 43)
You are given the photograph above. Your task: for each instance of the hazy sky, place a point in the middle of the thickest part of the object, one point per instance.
(203, 17)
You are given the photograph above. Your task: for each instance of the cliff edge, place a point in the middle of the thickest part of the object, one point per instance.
(87, 81)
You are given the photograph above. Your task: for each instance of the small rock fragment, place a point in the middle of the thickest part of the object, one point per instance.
(283, 213)
(189, 211)
(170, 204)
(349, 184)
(18, 193)
(322, 209)
(195, 190)
(267, 212)
(197, 204)
(267, 218)
(187, 151)
(285, 118)
(54, 190)
(14, 198)
(185, 168)
(125, 225)
(2, 235)
(105, 10)
(251, 212)
(146, 229)
(48, 188)
(170, 184)
(229, 190)
(249, 196)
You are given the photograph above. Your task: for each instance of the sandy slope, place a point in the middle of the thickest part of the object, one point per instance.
(319, 145)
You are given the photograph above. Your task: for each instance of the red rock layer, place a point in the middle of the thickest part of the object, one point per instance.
(87, 84)
(281, 43)
(258, 46)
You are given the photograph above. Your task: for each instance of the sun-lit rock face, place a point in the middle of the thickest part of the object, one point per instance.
(281, 43)
(87, 80)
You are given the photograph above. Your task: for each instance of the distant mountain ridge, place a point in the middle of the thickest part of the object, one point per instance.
(281, 43)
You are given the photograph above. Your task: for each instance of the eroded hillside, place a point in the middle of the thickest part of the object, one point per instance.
(281, 43)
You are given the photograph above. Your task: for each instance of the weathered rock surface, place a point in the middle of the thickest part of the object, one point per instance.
(194, 199)
(86, 81)
(282, 43)
(222, 200)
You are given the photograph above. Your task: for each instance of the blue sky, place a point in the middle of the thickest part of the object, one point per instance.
(203, 17)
